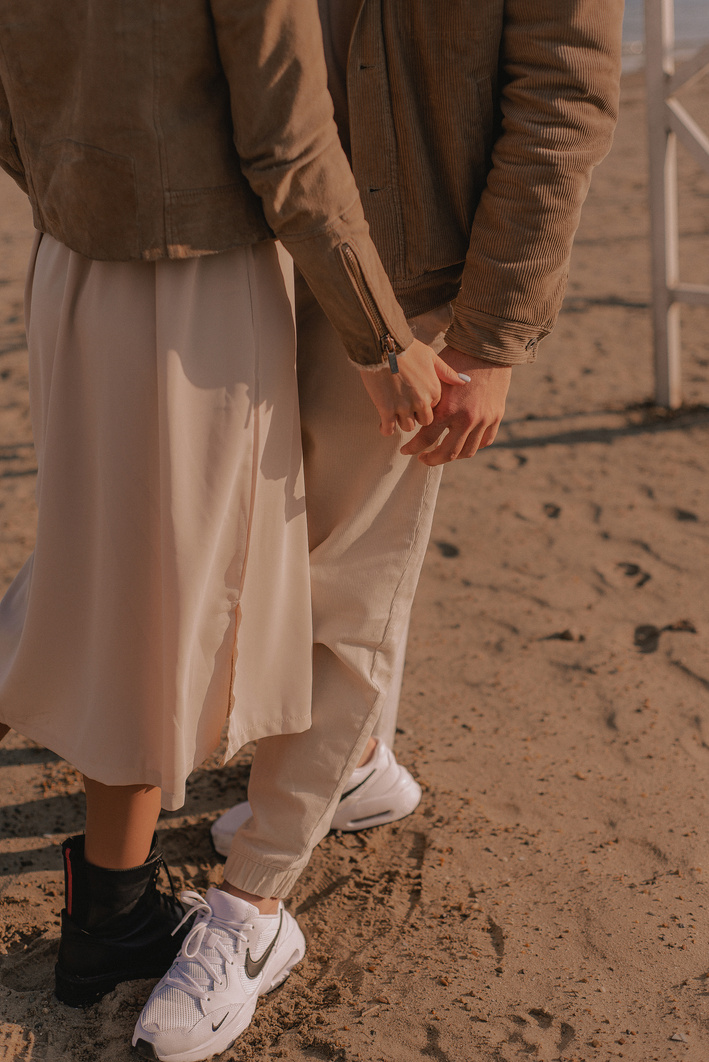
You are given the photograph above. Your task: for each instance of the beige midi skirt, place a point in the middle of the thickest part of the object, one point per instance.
(170, 498)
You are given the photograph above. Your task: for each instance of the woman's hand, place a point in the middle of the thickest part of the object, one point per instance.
(407, 398)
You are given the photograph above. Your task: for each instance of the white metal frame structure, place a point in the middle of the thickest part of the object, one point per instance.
(668, 123)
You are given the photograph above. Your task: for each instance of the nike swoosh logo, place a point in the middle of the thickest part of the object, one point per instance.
(356, 787)
(253, 967)
(215, 1027)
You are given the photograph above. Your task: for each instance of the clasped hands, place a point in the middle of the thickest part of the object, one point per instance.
(427, 391)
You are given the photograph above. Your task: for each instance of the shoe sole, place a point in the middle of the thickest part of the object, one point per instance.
(229, 1034)
(74, 991)
(147, 1050)
(403, 798)
(82, 991)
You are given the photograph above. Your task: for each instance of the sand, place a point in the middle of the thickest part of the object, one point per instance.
(547, 900)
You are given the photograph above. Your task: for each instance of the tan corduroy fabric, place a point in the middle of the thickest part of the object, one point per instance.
(166, 424)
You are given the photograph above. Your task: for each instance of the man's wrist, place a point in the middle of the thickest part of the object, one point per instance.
(462, 360)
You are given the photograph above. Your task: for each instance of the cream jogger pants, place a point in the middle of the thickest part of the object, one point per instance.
(369, 520)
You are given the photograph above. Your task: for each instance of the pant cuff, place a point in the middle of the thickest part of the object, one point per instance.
(244, 872)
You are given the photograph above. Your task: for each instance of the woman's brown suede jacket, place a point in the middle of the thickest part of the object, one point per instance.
(174, 128)
(149, 128)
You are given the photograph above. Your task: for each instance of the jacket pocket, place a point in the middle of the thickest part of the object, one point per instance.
(88, 199)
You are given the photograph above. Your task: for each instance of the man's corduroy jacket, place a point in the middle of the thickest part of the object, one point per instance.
(149, 129)
(474, 127)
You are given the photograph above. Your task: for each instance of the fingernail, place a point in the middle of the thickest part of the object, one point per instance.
(463, 377)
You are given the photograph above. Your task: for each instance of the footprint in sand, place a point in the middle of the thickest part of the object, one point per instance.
(16, 1043)
(540, 1034)
(647, 637)
(28, 965)
(634, 571)
(447, 549)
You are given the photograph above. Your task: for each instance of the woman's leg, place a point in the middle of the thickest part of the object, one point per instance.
(120, 823)
(116, 925)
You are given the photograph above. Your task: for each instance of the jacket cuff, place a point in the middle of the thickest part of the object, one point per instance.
(492, 338)
(359, 302)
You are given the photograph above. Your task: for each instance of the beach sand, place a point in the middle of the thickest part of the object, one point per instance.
(548, 899)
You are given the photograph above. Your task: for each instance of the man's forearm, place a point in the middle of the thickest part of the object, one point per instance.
(559, 101)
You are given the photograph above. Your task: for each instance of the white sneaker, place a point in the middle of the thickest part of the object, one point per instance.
(230, 957)
(381, 791)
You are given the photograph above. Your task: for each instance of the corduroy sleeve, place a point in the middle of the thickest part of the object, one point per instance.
(560, 77)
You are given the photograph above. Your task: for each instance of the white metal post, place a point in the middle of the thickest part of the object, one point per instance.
(668, 121)
(662, 145)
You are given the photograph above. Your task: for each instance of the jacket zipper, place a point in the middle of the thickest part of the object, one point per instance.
(387, 342)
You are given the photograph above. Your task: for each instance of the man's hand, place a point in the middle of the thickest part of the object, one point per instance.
(471, 413)
(406, 397)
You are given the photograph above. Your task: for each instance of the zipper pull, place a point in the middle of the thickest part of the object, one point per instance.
(389, 351)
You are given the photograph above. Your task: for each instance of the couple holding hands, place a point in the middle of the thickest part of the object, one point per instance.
(238, 459)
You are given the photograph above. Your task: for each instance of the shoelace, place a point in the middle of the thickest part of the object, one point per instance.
(180, 978)
(165, 901)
